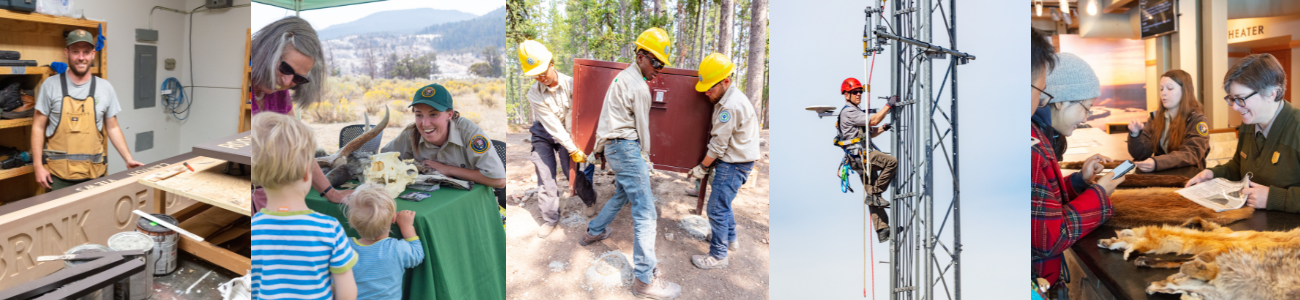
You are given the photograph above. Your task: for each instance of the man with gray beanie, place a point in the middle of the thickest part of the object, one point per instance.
(1064, 209)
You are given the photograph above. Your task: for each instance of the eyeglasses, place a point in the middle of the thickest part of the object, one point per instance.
(1087, 109)
(1041, 95)
(286, 69)
(654, 62)
(1239, 101)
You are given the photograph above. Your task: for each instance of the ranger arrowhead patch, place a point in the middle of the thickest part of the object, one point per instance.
(1275, 155)
(479, 144)
(1203, 129)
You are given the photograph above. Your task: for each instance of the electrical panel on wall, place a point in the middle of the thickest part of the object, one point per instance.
(146, 76)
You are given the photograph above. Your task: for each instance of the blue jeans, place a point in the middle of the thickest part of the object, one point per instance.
(631, 184)
(727, 179)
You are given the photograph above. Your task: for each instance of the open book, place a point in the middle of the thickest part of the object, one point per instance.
(1218, 194)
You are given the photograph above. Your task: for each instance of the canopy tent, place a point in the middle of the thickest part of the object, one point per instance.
(304, 5)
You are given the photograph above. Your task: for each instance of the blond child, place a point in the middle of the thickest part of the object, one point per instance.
(297, 253)
(371, 211)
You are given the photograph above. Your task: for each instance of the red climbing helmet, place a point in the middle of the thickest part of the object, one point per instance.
(849, 85)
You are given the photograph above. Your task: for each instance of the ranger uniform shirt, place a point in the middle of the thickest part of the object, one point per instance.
(1195, 147)
(626, 111)
(467, 147)
(49, 100)
(552, 107)
(1272, 159)
(735, 129)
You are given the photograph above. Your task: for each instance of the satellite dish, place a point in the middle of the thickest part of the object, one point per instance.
(822, 110)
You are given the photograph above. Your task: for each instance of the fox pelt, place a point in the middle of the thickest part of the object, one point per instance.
(1226, 264)
(1255, 273)
(1164, 206)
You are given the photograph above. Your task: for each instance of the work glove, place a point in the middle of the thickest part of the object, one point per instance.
(698, 172)
(893, 101)
(577, 156)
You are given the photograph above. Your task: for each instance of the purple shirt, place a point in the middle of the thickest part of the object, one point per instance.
(275, 102)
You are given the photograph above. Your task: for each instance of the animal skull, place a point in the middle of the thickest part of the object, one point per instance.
(345, 164)
(393, 173)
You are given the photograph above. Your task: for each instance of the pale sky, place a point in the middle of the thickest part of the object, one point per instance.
(816, 248)
(323, 18)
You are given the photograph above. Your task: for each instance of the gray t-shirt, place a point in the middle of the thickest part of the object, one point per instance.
(49, 100)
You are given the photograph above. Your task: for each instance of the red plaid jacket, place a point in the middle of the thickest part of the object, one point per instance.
(1060, 216)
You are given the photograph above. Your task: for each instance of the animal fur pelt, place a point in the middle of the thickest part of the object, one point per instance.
(1164, 206)
(1227, 264)
(1151, 180)
(1264, 274)
(1078, 165)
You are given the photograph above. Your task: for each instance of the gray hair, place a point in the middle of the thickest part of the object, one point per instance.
(1259, 72)
(268, 46)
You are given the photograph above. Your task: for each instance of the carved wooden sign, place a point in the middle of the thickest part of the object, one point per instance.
(52, 223)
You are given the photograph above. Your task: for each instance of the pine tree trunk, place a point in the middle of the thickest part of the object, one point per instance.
(725, 22)
(757, 52)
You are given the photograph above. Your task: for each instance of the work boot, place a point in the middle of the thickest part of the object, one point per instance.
(658, 288)
(591, 210)
(545, 230)
(707, 261)
(587, 239)
(693, 192)
(876, 200)
(733, 245)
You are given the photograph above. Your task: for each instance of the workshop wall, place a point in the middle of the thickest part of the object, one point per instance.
(218, 50)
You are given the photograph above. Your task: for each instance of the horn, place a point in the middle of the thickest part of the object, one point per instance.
(364, 137)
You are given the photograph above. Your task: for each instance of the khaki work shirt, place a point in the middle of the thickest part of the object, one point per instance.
(552, 107)
(467, 147)
(735, 129)
(626, 111)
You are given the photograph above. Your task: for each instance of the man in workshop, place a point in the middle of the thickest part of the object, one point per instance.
(551, 103)
(852, 123)
(623, 138)
(733, 148)
(76, 116)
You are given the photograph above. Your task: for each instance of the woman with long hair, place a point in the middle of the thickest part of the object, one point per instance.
(1177, 134)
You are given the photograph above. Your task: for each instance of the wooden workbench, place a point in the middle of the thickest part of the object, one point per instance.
(209, 186)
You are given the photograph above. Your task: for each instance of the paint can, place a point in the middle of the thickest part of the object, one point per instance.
(103, 294)
(140, 285)
(165, 241)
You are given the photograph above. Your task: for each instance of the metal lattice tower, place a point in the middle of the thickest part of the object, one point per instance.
(925, 254)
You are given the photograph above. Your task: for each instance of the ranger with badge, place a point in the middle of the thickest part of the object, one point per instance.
(733, 148)
(76, 117)
(1268, 140)
(1176, 135)
(442, 140)
(852, 123)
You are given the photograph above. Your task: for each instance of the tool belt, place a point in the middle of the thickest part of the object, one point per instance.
(92, 158)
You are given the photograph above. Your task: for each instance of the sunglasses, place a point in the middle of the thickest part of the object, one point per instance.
(1239, 101)
(542, 75)
(654, 62)
(286, 69)
(1042, 94)
(856, 92)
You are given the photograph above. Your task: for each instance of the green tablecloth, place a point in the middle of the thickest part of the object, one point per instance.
(464, 244)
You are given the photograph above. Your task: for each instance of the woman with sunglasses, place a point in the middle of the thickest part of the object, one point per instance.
(287, 56)
(1177, 134)
(1268, 140)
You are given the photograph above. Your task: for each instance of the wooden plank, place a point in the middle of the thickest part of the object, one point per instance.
(218, 256)
(15, 172)
(245, 109)
(233, 148)
(43, 18)
(207, 184)
(15, 123)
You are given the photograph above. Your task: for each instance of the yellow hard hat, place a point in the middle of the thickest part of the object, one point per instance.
(713, 69)
(534, 57)
(655, 41)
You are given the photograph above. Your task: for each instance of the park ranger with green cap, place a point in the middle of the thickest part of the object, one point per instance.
(442, 140)
(76, 117)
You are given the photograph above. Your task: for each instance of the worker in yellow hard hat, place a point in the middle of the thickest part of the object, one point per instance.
(551, 103)
(733, 148)
(622, 135)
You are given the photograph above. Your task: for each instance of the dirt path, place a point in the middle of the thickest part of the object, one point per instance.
(554, 268)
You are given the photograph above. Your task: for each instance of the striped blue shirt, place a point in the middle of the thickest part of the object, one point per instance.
(379, 272)
(294, 254)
